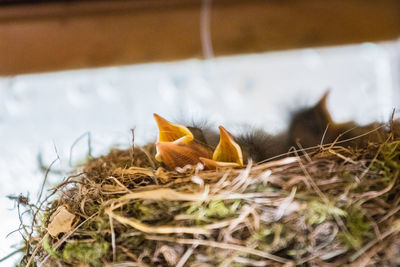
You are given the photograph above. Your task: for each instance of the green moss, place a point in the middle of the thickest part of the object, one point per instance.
(143, 212)
(152, 211)
(46, 246)
(358, 228)
(261, 188)
(388, 160)
(271, 237)
(99, 224)
(317, 212)
(218, 209)
(390, 154)
(86, 252)
(131, 241)
(215, 209)
(297, 252)
(386, 165)
(263, 233)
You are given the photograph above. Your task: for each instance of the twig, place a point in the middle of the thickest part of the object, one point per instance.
(114, 248)
(200, 242)
(36, 250)
(186, 256)
(164, 229)
(89, 140)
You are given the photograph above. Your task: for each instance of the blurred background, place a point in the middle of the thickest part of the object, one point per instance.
(79, 75)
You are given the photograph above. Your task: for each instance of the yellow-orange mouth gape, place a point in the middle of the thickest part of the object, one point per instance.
(170, 132)
(227, 153)
(177, 147)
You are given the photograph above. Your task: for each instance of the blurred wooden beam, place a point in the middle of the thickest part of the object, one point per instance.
(80, 34)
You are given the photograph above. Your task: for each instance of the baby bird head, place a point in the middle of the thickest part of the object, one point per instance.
(313, 126)
(308, 125)
(177, 146)
(228, 153)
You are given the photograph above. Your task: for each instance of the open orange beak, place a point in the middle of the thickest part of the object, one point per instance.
(227, 154)
(169, 132)
(176, 146)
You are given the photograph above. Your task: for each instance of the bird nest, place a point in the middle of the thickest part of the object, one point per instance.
(328, 206)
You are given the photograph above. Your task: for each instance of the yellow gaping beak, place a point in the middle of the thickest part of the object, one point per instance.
(227, 154)
(169, 132)
(176, 146)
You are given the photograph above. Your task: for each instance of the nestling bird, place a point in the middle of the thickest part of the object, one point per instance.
(313, 126)
(177, 146)
(228, 153)
(258, 145)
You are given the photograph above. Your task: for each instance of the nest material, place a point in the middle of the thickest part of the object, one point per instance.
(327, 207)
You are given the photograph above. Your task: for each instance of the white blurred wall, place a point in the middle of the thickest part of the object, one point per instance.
(41, 112)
